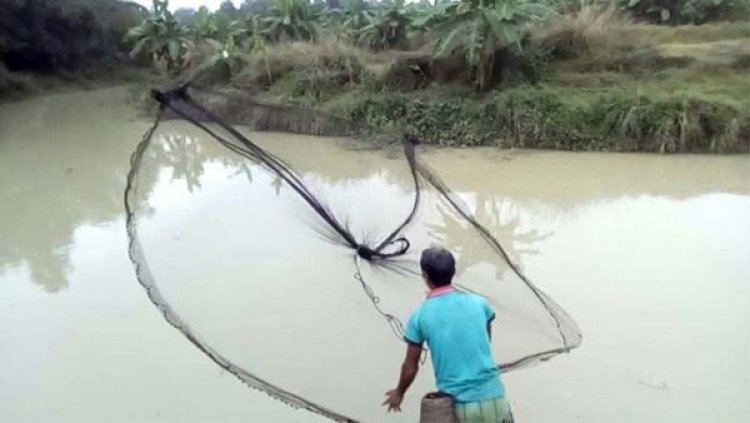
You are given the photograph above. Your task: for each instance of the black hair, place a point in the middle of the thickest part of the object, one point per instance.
(439, 265)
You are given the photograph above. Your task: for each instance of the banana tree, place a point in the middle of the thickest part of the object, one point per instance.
(292, 20)
(161, 36)
(388, 28)
(356, 14)
(203, 25)
(346, 21)
(254, 39)
(481, 28)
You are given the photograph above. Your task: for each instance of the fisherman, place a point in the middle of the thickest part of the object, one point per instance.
(457, 329)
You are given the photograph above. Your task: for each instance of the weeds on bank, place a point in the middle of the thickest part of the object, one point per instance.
(621, 119)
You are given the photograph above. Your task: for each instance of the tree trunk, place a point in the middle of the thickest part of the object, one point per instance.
(485, 71)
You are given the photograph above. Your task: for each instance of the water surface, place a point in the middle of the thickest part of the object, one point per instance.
(648, 253)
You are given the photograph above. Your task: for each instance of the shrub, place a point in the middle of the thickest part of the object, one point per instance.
(49, 36)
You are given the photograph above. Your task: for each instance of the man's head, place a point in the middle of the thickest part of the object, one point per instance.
(438, 266)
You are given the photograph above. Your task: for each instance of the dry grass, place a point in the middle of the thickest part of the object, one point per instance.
(661, 34)
(324, 59)
(299, 54)
(571, 34)
(716, 53)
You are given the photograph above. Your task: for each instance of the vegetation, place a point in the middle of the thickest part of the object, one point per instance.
(687, 11)
(161, 37)
(482, 29)
(45, 39)
(623, 75)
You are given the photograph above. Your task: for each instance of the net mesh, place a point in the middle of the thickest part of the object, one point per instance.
(369, 230)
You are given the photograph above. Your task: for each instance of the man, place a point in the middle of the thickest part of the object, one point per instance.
(456, 327)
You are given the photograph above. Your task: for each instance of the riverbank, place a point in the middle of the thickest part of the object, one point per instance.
(16, 86)
(590, 81)
(586, 84)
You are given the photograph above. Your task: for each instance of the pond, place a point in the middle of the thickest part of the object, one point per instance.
(647, 253)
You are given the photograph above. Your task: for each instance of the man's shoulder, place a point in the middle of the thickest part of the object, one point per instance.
(464, 296)
(472, 297)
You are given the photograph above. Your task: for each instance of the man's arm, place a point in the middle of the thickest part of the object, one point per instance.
(409, 370)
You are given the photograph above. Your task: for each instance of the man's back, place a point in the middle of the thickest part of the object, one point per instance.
(454, 326)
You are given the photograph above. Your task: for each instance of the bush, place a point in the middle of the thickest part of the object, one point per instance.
(49, 36)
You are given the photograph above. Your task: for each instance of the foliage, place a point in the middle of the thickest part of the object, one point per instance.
(292, 20)
(387, 29)
(255, 7)
(616, 119)
(574, 33)
(676, 12)
(480, 28)
(50, 36)
(253, 38)
(443, 119)
(160, 36)
(346, 22)
(201, 25)
(621, 119)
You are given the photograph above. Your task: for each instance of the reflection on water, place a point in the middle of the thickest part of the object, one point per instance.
(75, 170)
(183, 155)
(276, 184)
(659, 242)
(503, 221)
(60, 172)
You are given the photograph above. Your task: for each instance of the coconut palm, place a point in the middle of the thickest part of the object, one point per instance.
(481, 28)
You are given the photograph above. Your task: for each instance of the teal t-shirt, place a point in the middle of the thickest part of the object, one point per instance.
(454, 326)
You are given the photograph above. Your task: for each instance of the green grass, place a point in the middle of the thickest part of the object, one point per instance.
(658, 116)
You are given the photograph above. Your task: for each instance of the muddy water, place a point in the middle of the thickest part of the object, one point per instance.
(647, 253)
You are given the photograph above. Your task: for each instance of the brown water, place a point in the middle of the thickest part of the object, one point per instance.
(647, 253)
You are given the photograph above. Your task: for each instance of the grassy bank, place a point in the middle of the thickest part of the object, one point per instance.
(602, 84)
(532, 74)
(618, 118)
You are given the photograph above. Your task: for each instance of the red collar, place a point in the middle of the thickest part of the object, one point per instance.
(440, 291)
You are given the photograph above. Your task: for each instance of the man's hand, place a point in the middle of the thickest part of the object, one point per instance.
(393, 400)
(408, 372)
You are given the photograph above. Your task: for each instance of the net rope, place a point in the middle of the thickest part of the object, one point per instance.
(385, 253)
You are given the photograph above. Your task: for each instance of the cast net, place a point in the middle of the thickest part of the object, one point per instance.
(293, 263)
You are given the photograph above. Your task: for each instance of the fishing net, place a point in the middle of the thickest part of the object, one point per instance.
(294, 270)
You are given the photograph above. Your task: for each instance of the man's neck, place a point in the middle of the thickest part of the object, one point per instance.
(440, 290)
